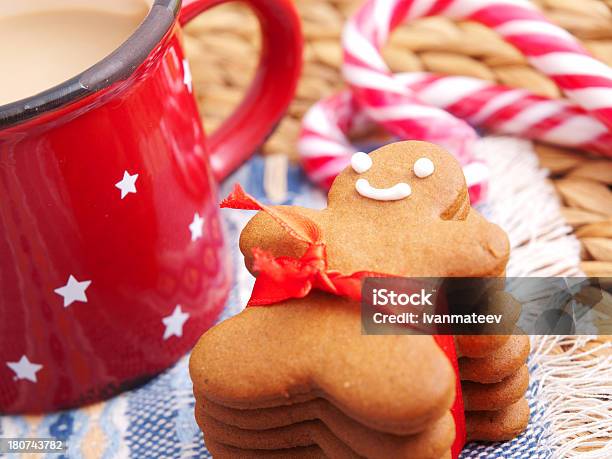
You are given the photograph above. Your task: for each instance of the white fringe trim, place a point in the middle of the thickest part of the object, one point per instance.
(575, 392)
(574, 379)
(526, 205)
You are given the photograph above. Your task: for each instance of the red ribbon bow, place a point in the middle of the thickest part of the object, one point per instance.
(282, 278)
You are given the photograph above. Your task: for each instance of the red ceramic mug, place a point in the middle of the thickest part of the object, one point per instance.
(112, 261)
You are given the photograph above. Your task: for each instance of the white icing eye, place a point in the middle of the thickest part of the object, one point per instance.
(361, 162)
(423, 167)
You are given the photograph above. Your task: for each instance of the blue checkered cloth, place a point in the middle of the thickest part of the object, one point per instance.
(156, 420)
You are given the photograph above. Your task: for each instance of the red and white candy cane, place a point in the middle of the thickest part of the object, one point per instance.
(399, 102)
(511, 111)
(550, 49)
(325, 148)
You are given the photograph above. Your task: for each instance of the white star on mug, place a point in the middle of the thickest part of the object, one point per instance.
(127, 184)
(24, 369)
(73, 291)
(196, 227)
(187, 79)
(174, 322)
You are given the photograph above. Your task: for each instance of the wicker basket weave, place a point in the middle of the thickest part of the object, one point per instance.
(224, 56)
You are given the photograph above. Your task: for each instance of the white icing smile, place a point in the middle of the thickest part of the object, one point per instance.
(394, 193)
(361, 162)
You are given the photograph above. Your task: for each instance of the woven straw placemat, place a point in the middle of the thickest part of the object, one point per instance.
(223, 48)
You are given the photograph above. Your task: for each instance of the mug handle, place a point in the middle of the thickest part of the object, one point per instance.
(272, 88)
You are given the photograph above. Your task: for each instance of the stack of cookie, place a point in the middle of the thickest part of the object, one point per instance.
(494, 374)
(494, 379)
(297, 378)
(301, 381)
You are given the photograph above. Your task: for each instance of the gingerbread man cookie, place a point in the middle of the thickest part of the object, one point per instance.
(431, 231)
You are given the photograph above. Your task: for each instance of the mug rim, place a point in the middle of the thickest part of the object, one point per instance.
(117, 66)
